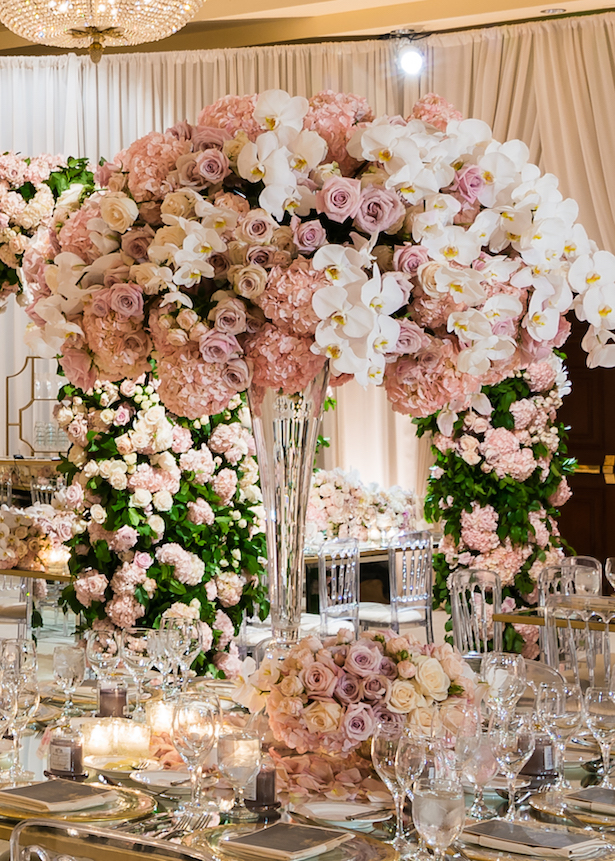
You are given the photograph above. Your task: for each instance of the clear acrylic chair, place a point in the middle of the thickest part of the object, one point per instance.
(476, 595)
(16, 603)
(54, 840)
(6, 490)
(410, 584)
(577, 638)
(585, 572)
(338, 585)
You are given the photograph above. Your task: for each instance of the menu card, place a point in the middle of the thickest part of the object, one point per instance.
(593, 798)
(532, 840)
(51, 796)
(287, 842)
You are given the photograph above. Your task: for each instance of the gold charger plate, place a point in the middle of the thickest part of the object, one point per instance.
(359, 848)
(543, 803)
(46, 714)
(131, 804)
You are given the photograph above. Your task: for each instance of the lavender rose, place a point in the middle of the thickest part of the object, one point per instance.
(469, 182)
(237, 375)
(229, 315)
(376, 688)
(308, 235)
(390, 724)
(379, 209)
(136, 242)
(126, 299)
(216, 346)
(261, 255)
(257, 226)
(362, 660)
(213, 165)
(188, 171)
(348, 689)
(204, 137)
(388, 668)
(358, 723)
(409, 257)
(411, 338)
(100, 303)
(339, 198)
(318, 680)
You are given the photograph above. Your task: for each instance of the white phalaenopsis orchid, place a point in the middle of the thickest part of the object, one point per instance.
(266, 161)
(476, 360)
(599, 306)
(592, 270)
(382, 292)
(453, 244)
(392, 147)
(463, 285)
(307, 150)
(469, 326)
(342, 265)
(600, 346)
(276, 109)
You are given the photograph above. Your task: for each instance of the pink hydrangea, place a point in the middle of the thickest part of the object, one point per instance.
(124, 539)
(182, 439)
(540, 376)
(561, 495)
(74, 235)
(148, 161)
(225, 485)
(335, 116)
(189, 569)
(90, 587)
(282, 361)
(124, 610)
(191, 387)
(233, 441)
(435, 110)
(200, 513)
(200, 461)
(287, 299)
(127, 578)
(229, 662)
(223, 624)
(229, 587)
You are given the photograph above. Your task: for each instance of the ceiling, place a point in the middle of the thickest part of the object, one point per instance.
(243, 23)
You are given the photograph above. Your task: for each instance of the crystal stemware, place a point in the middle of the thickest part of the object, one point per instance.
(19, 655)
(600, 717)
(27, 702)
(239, 753)
(478, 770)
(102, 652)
(504, 674)
(457, 725)
(512, 743)
(560, 710)
(136, 653)
(385, 741)
(438, 812)
(69, 673)
(410, 759)
(196, 722)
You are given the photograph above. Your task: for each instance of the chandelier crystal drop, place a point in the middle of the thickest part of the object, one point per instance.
(95, 24)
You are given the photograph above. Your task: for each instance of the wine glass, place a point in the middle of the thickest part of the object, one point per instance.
(478, 770)
(560, 710)
(438, 812)
(585, 572)
(385, 742)
(172, 645)
(239, 754)
(600, 717)
(139, 658)
(190, 646)
(457, 725)
(103, 652)
(512, 744)
(504, 674)
(69, 673)
(609, 570)
(28, 699)
(160, 657)
(196, 720)
(19, 655)
(410, 759)
(8, 710)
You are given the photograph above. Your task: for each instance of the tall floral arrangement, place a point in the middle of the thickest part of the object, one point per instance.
(279, 231)
(171, 515)
(328, 695)
(30, 190)
(496, 487)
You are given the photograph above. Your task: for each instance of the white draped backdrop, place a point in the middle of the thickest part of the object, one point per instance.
(552, 84)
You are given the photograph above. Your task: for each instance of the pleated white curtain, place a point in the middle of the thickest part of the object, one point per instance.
(552, 84)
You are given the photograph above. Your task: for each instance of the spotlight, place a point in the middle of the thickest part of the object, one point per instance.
(410, 60)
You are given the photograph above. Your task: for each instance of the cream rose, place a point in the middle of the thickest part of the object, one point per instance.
(179, 203)
(291, 686)
(322, 717)
(107, 416)
(118, 211)
(98, 513)
(170, 235)
(431, 679)
(156, 522)
(141, 498)
(422, 719)
(118, 480)
(163, 501)
(404, 697)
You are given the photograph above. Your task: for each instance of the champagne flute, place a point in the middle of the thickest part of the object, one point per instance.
(69, 673)
(385, 742)
(239, 753)
(196, 721)
(478, 770)
(560, 710)
(600, 717)
(438, 812)
(138, 656)
(512, 743)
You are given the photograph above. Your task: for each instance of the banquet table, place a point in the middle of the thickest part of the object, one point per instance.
(534, 618)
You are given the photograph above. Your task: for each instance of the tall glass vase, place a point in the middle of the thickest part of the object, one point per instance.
(285, 430)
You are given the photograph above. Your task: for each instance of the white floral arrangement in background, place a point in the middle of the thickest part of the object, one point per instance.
(341, 506)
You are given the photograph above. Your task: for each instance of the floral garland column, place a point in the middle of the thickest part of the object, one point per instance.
(496, 487)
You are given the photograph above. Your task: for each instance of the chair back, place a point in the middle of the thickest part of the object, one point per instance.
(577, 638)
(476, 595)
(585, 573)
(411, 578)
(338, 585)
(42, 491)
(52, 840)
(6, 491)
(16, 603)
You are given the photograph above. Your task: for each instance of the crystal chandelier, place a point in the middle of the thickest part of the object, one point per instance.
(95, 24)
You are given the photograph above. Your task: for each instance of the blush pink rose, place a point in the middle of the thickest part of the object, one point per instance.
(379, 209)
(218, 346)
(362, 660)
(318, 680)
(409, 257)
(78, 367)
(126, 299)
(308, 235)
(339, 198)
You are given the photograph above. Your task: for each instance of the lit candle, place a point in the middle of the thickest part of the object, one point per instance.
(112, 699)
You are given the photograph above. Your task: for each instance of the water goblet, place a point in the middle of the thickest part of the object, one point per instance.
(600, 717)
(505, 676)
(560, 710)
(385, 741)
(172, 644)
(19, 655)
(69, 673)
(512, 744)
(478, 770)
(196, 721)
(438, 812)
(27, 702)
(239, 754)
(139, 658)
(102, 652)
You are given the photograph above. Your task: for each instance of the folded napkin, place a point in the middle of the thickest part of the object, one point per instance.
(593, 798)
(531, 840)
(56, 796)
